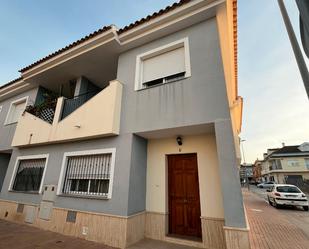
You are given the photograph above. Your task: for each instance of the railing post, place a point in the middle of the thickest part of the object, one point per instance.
(58, 111)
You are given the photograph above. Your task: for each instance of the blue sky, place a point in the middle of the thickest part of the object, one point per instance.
(276, 108)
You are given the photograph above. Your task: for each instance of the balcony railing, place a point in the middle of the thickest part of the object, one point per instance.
(44, 111)
(70, 105)
(90, 117)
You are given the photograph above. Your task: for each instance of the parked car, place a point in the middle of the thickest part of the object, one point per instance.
(287, 195)
(266, 185)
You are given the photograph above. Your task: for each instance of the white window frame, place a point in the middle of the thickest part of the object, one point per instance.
(20, 158)
(66, 155)
(184, 42)
(307, 162)
(293, 163)
(26, 99)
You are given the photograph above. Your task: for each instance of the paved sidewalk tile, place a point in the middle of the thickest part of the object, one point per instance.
(18, 236)
(269, 229)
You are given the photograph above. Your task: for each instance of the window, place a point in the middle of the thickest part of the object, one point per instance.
(165, 64)
(293, 163)
(17, 107)
(275, 164)
(29, 173)
(88, 173)
(307, 163)
(288, 189)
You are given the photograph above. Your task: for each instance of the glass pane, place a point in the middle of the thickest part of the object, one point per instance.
(29, 175)
(99, 186)
(288, 189)
(83, 185)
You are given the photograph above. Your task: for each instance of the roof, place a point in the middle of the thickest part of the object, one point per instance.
(11, 82)
(105, 28)
(95, 33)
(287, 151)
(129, 27)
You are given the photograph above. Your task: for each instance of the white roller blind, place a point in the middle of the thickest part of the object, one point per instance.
(163, 65)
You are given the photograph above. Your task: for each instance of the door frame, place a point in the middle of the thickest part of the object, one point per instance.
(167, 192)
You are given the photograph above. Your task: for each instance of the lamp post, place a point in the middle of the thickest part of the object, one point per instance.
(244, 160)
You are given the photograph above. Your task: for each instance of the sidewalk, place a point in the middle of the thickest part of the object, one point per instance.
(269, 229)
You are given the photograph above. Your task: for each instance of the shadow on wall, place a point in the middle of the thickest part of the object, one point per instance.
(4, 163)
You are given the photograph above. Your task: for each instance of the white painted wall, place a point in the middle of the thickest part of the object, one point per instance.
(209, 179)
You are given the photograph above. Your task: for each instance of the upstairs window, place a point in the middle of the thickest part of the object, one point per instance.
(17, 107)
(165, 64)
(293, 163)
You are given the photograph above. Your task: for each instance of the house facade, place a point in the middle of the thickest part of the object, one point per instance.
(257, 171)
(289, 164)
(246, 172)
(131, 133)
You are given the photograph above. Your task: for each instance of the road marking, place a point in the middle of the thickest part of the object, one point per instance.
(256, 210)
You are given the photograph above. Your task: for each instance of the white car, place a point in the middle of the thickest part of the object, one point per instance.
(287, 195)
(266, 185)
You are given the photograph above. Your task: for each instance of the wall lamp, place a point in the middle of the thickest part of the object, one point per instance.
(179, 140)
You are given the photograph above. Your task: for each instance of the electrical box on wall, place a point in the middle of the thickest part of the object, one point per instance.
(46, 209)
(49, 193)
(30, 214)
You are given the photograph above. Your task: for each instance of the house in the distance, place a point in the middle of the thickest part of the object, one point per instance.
(257, 171)
(289, 164)
(246, 172)
(131, 133)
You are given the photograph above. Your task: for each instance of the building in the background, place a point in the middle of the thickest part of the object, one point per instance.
(289, 164)
(257, 171)
(246, 173)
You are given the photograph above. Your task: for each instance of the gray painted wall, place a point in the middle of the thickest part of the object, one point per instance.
(4, 162)
(116, 205)
(196, 100)
(7, 131)
(138, 171)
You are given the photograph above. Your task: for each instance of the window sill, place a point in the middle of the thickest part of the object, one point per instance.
(162, 84)
(85, 196)
(6, 124)
(25, 192)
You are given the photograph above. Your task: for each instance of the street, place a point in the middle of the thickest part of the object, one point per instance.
(274, 228)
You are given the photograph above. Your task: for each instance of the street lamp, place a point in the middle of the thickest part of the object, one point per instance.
(244, 159)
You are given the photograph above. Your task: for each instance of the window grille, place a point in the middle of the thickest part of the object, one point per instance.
(88, 175)
(29, 175)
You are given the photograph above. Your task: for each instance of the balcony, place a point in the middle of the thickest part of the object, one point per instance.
(82, 117)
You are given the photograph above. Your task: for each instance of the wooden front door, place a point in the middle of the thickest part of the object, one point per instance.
(183, 195)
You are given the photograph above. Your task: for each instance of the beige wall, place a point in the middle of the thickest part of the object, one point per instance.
(301, 167)
(301, 163)
(279, 177)
(100, 116)
(209, 179)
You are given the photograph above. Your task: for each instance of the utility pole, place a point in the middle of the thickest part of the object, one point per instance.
(243, 156)
(297, 51)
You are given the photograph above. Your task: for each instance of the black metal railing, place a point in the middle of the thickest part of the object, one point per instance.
(70, 105)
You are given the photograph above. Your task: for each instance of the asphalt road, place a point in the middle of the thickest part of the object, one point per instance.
(296, 216)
